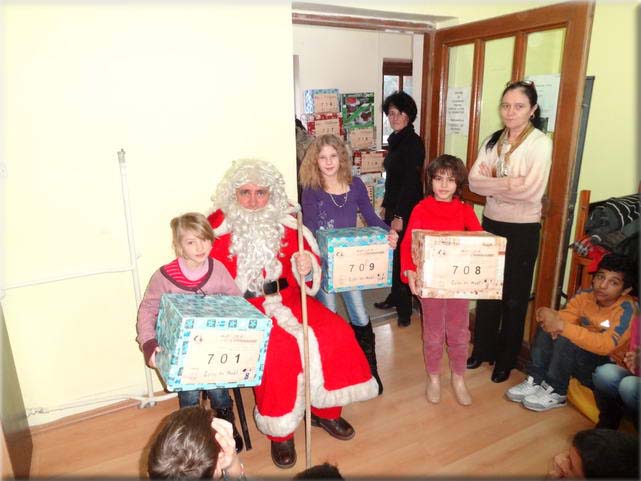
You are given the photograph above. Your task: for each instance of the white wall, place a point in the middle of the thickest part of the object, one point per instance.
(184, 88)
(350, 60)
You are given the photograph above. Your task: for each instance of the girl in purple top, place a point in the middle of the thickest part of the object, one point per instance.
(331, 198)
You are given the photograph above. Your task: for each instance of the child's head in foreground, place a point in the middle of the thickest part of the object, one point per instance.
(320, 471)
(604, 453)
(185, 446)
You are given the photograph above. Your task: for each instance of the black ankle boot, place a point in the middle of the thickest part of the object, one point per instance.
(388, 303)
(228, 415)
(367, 340)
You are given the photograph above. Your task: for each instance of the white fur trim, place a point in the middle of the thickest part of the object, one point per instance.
(320, 396)
(222, 229)
(281, 426)
(290, 221)
(293, 209)
(317, 272)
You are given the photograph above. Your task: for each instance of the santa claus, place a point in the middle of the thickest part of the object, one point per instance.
(256, 239)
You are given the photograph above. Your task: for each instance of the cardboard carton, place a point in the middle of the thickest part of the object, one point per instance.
(318, 101)
(458, 265)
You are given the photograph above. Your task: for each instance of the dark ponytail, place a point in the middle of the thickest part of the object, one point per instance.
(493, 140)
(528, 90)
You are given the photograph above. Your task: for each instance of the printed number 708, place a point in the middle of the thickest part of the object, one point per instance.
(466, 270)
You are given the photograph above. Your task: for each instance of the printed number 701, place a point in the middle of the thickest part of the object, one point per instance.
(223, 358)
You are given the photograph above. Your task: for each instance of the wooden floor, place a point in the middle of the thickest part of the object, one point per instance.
(398, 433)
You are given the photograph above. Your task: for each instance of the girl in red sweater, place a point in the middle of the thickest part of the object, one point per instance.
(443, 319)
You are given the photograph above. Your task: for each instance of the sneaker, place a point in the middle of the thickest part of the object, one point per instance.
(521, 391)
(544, 399)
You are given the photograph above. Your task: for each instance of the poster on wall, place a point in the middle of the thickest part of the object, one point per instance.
(547, 88)
(457, 113)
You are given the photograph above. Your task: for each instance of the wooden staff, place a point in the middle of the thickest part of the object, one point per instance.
(303, 301)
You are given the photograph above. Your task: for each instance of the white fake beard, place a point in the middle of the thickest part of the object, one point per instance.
(256, 242)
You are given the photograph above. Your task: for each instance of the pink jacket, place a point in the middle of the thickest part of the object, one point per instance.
(216, 281)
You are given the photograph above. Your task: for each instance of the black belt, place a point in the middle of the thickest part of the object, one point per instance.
(272, 287)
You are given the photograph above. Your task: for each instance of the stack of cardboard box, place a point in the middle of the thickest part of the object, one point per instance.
(351, 117)
(322, 112)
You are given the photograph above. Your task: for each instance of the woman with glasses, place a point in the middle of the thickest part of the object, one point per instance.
(403, 190)
(511, 171)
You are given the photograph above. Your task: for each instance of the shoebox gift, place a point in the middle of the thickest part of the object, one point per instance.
(321, 124)
(379, 194)
(369, 161)
(358, 109)
(355, 258)
(210, 342)
(371, 180)
(458, 265)
(317, 101)
(361, 137)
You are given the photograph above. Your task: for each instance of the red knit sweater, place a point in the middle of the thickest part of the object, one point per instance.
(436, 215)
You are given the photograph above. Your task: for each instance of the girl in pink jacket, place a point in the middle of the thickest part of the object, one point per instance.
(192, 272)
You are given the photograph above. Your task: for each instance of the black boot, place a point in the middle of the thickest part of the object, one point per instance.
(388, 303)
(228, 415)
(367, 340)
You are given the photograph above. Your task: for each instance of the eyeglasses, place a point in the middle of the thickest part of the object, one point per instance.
(520, 83)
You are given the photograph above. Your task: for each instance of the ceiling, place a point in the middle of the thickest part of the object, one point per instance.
(404, 21)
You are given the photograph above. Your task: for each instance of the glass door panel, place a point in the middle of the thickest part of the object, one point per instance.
(457, 100)
(497, 72)
(543, 62)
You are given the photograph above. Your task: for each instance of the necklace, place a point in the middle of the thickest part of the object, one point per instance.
(331, 196)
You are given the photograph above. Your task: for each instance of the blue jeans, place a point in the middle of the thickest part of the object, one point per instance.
(555, 361)
(219, 398)
(353, 302)
(617, 382)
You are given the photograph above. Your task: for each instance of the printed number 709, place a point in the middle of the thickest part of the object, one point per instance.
(361, 267)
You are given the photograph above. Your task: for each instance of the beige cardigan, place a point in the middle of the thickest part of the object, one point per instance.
(517, 197)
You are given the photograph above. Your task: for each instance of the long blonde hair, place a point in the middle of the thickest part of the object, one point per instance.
(310, 176)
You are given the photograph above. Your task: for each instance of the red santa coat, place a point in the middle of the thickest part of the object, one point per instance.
(339, 372)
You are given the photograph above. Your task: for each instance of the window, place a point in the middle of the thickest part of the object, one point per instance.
(397, 75)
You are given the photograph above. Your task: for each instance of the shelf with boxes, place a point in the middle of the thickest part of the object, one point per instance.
(351, 117)
(348, 115)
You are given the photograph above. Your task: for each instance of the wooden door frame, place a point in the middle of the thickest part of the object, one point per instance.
(576, 18)
(426, 87)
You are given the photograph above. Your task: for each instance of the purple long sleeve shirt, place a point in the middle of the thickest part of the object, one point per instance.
(327, 211)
